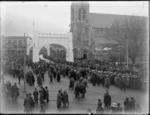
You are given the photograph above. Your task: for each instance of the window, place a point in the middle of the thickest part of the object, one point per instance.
(83, 13)
(79, 14)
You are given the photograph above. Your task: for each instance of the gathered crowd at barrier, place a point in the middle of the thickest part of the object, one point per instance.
(80, 73)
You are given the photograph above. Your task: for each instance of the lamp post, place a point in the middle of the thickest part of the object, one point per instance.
(24, 68)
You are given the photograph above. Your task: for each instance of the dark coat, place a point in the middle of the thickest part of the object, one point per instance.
(107, 99)
(35, 94)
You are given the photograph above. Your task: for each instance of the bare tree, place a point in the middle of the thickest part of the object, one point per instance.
(129, 30)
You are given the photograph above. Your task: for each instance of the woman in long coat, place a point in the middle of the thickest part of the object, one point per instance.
(59, 99)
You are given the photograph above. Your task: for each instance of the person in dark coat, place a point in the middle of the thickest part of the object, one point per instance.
(31, 102)
(132, 104)
(15, 92)
(26, 104)
(41, 97)
(126, 105)
(54, 74)
(46, 94)
(100, 109)
(71, 85)
(59, 99)
(19, 76)
(35, 94)
(8, 86)
(107, 100)
(42, 75)
(66, 98)
(51, 78)
(39, 80)
(58, 77)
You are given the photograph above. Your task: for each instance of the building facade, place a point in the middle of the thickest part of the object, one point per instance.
(14, 46)
(89, 30)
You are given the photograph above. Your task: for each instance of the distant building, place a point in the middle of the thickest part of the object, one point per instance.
(14, 45)
(89, 29)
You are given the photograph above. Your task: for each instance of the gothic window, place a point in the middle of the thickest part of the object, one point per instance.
(83, 13)
(79, 14)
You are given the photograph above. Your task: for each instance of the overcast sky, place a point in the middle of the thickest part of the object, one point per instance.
(54, 17)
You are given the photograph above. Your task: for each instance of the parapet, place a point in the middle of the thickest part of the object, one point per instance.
(52, 35)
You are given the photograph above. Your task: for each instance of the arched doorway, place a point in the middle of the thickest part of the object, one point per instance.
(43, 51)
(42, 39)
(57, 51)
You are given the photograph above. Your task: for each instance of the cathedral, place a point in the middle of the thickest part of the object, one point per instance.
(88, 30)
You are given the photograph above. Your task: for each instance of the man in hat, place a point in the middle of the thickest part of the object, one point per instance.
(59, 99)
(107, 100)
(46, 94)
(35, 94)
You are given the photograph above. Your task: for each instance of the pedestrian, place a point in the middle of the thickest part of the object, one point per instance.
(126, 104)
(26, 104)
(39, 80)
(19, 76)
(66, 98)
(51, 78)
(59, 99)
(100, 109)
(58, 76)
(107, 100)
(119, 108)
(35, 94)
(71, 85)
(41, 97)
(8, 86)
(46, 94)
(132, 104)
(42, 75)
(31, 102)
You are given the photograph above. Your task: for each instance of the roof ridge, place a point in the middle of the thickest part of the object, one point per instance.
(115, 14)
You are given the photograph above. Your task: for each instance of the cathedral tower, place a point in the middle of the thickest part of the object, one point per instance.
(79, 18)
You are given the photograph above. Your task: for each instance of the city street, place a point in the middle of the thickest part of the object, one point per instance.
(76, 105)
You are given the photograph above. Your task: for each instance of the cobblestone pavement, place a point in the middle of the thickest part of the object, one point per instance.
(76, 105)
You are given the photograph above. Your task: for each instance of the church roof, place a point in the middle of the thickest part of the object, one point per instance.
(99, 20)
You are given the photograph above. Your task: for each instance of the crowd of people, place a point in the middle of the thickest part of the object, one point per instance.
(37, 97)
(62, 99)
(105, 73)
(11, 91)
(79, 73)
(130, 105)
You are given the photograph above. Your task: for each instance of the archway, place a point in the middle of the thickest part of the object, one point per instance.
(40, 40)
(53, 51)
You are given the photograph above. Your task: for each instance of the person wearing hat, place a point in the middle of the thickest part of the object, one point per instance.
(107, 100)
(99, 109)
(114, 107)
(59, 99)
(119, 108)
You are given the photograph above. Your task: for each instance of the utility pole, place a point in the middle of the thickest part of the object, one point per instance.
(24, 69)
